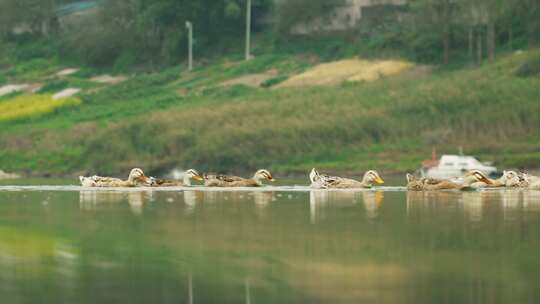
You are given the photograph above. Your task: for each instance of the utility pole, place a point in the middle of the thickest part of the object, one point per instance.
(189, 27)
(248, 30)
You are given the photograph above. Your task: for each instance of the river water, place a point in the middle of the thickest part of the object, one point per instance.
(273, 245)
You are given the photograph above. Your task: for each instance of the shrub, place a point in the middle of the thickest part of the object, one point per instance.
(32, 69)
(273, 81)
(54, 85)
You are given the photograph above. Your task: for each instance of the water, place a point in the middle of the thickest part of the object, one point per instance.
(280, 246)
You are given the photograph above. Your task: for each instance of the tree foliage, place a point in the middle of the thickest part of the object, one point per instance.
(291, 13)
(126, 33)
(33, 14)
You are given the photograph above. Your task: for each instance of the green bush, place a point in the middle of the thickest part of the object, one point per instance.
(55, 85)
(124, 62)
(273, 81)
(85, 72)
(233, 91)
(33, 69)
(36, 48)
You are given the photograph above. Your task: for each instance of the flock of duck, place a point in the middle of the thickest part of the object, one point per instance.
(471, 180)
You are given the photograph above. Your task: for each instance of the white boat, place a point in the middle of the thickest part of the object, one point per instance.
(453, 166)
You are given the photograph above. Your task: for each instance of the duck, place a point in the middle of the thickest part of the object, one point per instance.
(219, 180)
(508, 179)
(528, 181)
(424, 183)
(534, 186)
(186, 182)
(324, 181)
(429, 184)
(136, 178)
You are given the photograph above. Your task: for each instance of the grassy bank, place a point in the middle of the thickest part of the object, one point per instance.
(173, 119)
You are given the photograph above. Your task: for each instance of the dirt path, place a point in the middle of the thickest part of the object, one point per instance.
(337, 72)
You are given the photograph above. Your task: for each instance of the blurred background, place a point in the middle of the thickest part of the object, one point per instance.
(343, 85)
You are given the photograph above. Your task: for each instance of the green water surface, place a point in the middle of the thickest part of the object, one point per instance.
(269, 247)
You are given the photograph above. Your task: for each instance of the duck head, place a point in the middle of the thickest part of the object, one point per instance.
(413, 183)
(191, 174)
(410, 178)
(137, 176)
(194, 174)
(314, 175)
(371, 177)
(263, 174)
(510, 178)
(87, 181)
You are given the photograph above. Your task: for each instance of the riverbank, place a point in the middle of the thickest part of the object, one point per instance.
(171, 119)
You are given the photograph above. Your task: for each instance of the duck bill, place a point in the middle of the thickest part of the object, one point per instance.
(271, 179)
(379, 180)
(198, 177)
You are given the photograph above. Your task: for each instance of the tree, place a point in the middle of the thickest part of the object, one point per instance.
(141, 29)
(529, 10)
(35, 15)
(492, 10)
(438, 15)
(291, 13)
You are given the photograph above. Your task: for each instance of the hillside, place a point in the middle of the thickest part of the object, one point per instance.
(211, 120)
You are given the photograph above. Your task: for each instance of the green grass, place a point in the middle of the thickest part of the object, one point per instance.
(32, 69)
(174, 118)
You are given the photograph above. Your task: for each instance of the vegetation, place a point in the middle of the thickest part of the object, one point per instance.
(126, 35)
(28, 106)
(388, 124)
(529, 68)
(213, 119)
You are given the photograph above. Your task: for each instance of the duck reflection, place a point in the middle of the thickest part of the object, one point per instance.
(372, 202)
(247, 285)
(211, 197)
(427, 201)
(414, 201)
(190, 288)
(89, 200)
(136, 202)
(511, 203)
(190, 200)
(92, 200)
(262, 201)
(319, 200)
(531, 200)
(473, 205)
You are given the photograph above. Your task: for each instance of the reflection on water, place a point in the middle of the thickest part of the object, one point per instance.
(190, 199)
(319, 200)
(199, 246)
(91, 200)
(531, 200)
(511, 203)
